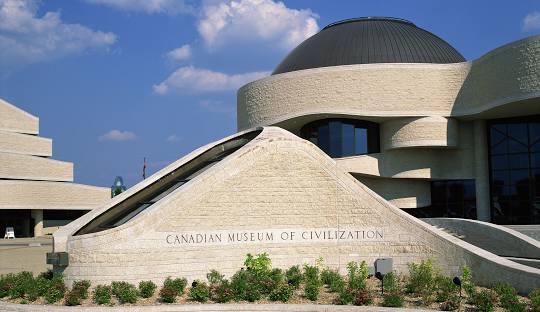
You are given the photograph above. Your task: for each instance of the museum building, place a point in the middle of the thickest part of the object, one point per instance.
(361, 129)
(37, 193)
(405, 113)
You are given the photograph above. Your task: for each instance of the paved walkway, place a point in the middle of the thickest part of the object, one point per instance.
(24, 254)
(8, 307)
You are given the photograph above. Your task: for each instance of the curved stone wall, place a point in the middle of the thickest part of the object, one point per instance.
(507, 74)
(388, 90)
(433, 131)
(402, 193)
(277, 182)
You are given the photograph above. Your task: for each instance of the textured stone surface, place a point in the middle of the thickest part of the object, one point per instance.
(24, 167)
(434, 131)
(18, 143)
(275, 182)
(15, 119)
(23, 194)
(388, 90)
(402, 193)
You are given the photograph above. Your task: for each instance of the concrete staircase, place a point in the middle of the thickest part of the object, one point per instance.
(499, 240)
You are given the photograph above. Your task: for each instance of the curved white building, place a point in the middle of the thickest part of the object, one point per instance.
(408, 116)
(391, 117)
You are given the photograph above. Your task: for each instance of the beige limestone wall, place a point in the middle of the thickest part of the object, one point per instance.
(18, 143)
(433, 131)
(25, 167)
(277, 184)
(402, 193)
(507, 74)
(15, 119)
(23, 194)
(387, 90)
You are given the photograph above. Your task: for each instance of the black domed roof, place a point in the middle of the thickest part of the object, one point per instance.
(368, 40)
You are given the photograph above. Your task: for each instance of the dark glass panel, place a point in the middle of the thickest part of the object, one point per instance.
(360, 137)
(519, 176)
(535, 160)
(517, 147)
(324, 138)
(469, 190)
(438, 192)
(336, 137)
(500, 127)
(496, 137)
(517, 161)
(469, 208)
(518, 131)
(455, 191)
(348, 139)
(534, 132)
(500, 148)
(499, 162)
(500, 178)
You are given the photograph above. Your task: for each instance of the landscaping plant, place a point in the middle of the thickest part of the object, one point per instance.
(421, 280)
(125, 292)
(147, 289)
(485, 300)
(282, 292)
(534, 300)
(294, 276)
(199, 292)
(102, 294)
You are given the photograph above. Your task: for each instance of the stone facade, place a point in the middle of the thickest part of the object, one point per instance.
(275, 184)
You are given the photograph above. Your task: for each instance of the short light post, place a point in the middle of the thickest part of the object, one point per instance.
(380, 277)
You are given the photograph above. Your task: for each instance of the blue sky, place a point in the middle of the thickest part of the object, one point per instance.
(114, 81)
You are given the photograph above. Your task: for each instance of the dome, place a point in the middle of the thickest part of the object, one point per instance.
(367, 40)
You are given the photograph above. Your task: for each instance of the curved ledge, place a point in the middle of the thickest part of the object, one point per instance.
(363, 90)
(433, 131)
(506, 75)
(495, 238)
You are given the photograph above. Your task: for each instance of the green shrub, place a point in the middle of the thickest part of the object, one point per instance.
(421, 280)
(294, 276)
(467, 283)
(81, 287)
(42, 284)
(357, 275)
(485, 300)
(534, 300)
(444, 288)
(259, 265)
(333, 280)
(312, 289)
(346, 296)
(147, 289)
(392, 300)
(507, 294)
(124, 292)
(311, 274)
(214, 277)
(6, 283)
(167, 294)
(20, 284)
(200, 292)
(73, 298)
(178, 284)
(102, 294)
(452, 303)
(56, 290)
(363, 298)
(246, 286)
(282, 292)
(221, 292)
(393, 296)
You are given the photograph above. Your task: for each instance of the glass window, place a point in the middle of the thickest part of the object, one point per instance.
(343, 137)
(513, 148)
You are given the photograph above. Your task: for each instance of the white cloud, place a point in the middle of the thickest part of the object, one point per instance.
(531, 21)
(27, 38)
(148, 6)
(264, 20)
(216, 106)
(180, 54)
(192, 79)
(118, 135)
(174, 138)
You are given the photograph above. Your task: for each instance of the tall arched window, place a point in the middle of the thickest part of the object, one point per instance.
(343, 137)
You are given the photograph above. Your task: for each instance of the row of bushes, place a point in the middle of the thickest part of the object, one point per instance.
(259, 281)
